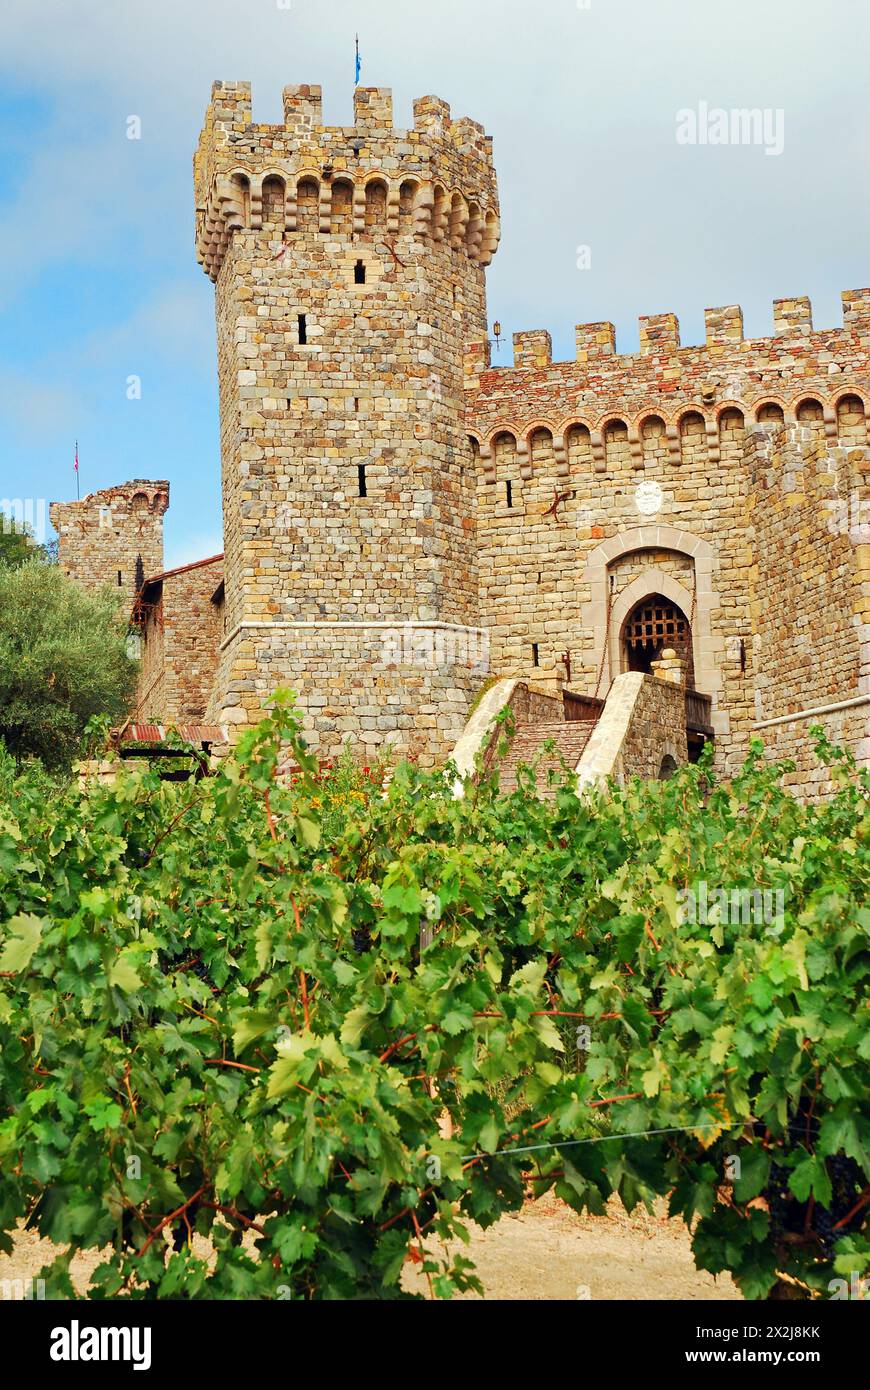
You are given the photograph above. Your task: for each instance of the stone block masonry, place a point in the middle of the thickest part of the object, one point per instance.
(114, 536)
(180, 615)
(810, 614)
(617, 477)
(349, 273)
(350, 688)
(378, 473)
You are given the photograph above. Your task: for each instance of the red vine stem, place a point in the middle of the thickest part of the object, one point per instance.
(422, 1253)
(236, 1216)
(179, 1211)
(302, 980)
(127, 1085)
(861, 1202)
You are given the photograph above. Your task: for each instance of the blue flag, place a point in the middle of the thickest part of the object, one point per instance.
(358, 63)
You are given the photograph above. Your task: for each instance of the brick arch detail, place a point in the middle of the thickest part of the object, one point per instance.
(706, 646)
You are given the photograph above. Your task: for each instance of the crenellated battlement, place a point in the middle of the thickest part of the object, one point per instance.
(799, 374)
(435, 182)
(660, 333)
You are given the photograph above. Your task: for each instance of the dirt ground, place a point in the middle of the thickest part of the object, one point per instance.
(546, 1251)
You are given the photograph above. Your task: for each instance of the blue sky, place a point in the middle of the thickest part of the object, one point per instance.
(98, 277)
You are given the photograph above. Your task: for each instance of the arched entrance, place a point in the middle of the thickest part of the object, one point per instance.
(605, 612)
(652, 625)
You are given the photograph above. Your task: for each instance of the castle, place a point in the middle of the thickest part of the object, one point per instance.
(405, 524)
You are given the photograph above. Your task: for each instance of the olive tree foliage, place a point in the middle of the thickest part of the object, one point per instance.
(63, 661)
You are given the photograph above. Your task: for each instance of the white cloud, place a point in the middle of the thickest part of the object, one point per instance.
(582, 107)
(65, 207)
(582, 104)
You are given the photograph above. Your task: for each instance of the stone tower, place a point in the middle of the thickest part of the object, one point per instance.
(349, 267)
(103, 537)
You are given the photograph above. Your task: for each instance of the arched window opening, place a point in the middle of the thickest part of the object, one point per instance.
(851, 425)
(341, 208)
(579, 446)
(770, 415)
(541, 451)
(693, 438)
(617, 449)
(652, 625)
(307, 205)
(376, 206)
(406, 206)
(504, 448)
(273, 202)
(732, 433)
(654, 444)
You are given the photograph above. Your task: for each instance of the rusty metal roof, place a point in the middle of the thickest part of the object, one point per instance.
(184, 569)
(158, 733)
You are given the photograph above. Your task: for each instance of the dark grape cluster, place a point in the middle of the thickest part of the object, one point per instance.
(201, 972)
(179, 1232)
(788, 1216)
(846, 1183)
(188, 960)
(362, 940)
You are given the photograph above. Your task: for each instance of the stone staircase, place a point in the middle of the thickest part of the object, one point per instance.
(644, 728)
(569, 739)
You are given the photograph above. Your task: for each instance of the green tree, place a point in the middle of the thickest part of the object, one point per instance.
(16, 545)
(62, 661)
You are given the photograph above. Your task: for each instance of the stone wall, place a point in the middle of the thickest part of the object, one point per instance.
(641, 729)
(349, 271)
(810, 538)
(182, 627)
(533, 705)
(847, 728)
(101, 537)
(625, 451)
(353, 685)
(379, 475)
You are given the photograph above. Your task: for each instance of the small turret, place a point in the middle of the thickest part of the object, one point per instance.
(108, 536)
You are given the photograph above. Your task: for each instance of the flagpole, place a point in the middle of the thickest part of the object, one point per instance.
(78, 494)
